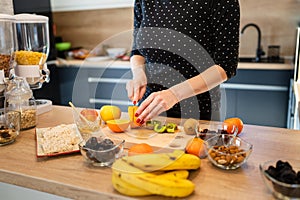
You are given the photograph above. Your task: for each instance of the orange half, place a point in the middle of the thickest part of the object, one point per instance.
(118, 125)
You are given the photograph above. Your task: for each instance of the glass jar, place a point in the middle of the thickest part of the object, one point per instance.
(32, 33)
(19, 97)
(7, 49)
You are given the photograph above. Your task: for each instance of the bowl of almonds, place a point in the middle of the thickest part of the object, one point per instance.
(228, 151)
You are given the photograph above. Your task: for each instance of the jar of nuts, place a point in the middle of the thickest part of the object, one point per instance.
(18, 97)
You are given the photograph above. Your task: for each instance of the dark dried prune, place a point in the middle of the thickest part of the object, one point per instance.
(107, 141)
(91, 143)
(280, 165)
(284, 172)
(288, 176)
(272, 171)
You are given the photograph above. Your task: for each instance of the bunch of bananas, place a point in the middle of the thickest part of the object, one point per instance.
(155, 174)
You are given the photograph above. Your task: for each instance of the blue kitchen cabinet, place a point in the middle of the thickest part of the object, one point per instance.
(93, 87)
(258, 97)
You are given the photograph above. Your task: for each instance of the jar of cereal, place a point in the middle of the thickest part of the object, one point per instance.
(19, 97)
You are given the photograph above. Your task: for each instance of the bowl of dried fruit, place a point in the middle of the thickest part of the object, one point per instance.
(282, 178)
(101, 150)
(9, 126)
(227, 151)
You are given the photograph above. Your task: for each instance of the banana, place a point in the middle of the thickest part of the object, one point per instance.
(120, 166)
(185, 161)
(126, 188)
(132, 181)
(176, 160)
(175, 187)
(181, 174)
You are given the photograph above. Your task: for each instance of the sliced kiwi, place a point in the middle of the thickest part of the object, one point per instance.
(160, 128)
(171, 127)
(151, 123)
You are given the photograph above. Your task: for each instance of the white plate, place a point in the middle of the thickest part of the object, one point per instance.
(98, 58)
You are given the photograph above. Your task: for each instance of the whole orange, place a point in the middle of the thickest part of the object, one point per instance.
(140, 149)
(195, 146)
(231, 122)
(109, 112)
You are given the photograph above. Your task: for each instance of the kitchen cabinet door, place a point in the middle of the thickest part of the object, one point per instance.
(267, 108)
(258, 97)
(94, 87)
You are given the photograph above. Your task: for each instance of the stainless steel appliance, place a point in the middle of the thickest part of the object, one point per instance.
(293, 118)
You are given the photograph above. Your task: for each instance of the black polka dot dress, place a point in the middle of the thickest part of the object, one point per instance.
(180, 39)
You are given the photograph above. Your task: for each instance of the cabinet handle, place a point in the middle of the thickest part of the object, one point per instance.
(235, 86)
(109, 101)
(107, 80)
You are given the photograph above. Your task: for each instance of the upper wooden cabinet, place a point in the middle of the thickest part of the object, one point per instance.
(76, 5)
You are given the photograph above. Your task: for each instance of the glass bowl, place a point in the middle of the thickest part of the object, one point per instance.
(9, 126)
(87, 121)
(227, 151)
(280, 189)
(206, 131)
(101, 150)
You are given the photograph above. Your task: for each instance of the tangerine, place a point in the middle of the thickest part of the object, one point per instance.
(196, 147)
(141, 148)
(231, 122)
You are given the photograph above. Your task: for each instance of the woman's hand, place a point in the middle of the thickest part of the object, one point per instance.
(155, 104)
(159, 102)
(136, 87)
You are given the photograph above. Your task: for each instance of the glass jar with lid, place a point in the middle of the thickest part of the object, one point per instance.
(19, 97)
(32, 33)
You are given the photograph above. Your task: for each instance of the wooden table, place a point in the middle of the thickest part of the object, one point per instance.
(71, 177)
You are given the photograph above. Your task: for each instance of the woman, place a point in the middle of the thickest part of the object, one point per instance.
(182, 51)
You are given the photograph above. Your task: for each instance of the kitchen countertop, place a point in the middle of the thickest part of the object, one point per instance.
(125, 64)
(71, 177)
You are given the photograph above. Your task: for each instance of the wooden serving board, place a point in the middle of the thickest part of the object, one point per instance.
(159, 141)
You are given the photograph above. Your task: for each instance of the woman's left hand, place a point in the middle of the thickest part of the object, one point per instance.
(155, 104)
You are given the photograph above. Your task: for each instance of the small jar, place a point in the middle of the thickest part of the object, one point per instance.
(19, 97)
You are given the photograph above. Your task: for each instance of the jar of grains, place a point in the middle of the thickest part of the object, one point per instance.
(19, 97)
(7, 49)
(7, 45)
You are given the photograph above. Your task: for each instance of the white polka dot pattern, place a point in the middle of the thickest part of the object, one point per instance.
(181, 38)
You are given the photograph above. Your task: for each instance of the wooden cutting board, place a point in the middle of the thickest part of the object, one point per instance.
(159, 141)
